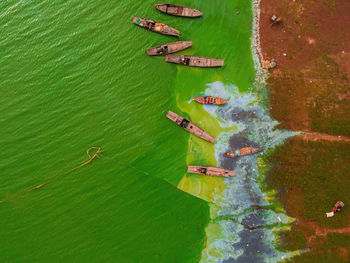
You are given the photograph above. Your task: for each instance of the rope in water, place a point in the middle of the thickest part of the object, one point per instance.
(79, 166)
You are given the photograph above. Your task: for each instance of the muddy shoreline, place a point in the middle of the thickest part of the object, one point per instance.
(309, 91)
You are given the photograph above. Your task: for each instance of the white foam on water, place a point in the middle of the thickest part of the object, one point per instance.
(251, 122)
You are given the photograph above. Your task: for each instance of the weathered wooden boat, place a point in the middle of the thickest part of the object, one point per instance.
(155, 26)
(210, 170)
(242, 151)
(189, 126)
(169, 48)
(212, 100)
(193, 61)
(178, 10)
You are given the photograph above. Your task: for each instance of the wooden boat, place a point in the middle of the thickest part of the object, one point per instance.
(169, 48)
(210, 100)
(210, 170)
(193, 61)
(189, 126)
(242, 151)
(178, 10)
(155, 26)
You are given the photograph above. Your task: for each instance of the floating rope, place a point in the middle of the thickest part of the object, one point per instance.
(91, 157)
(38, 186)
(81, 165)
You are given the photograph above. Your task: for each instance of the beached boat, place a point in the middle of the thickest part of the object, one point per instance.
(178, 10)
(210, 170)
(210, 100)
(193, 61)
(242, 151)
(189, 126)
(155, 26)
(169, 48)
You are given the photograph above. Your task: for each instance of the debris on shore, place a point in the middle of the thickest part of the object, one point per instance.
(269, 64)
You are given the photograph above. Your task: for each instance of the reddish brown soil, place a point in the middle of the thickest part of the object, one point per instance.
(309, 90)
(310, 85)
(317, 136)
(318, 231)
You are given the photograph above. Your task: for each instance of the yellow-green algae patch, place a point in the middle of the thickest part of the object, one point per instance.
(212, 232)
(201, 152)
(205, 187)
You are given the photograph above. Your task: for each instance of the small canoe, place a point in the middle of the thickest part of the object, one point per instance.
(242, 151)
(189, 126)
(178, 10)
(169, 48)
(210, 170)
(193, 61)
(210, 100)
(155, 26)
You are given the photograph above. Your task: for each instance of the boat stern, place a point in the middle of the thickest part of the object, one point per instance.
(161, 7)
(218, 63)
(168, 30)
(222, 101)
(186, 44)
(171, 115)
(208, 138)
(197, 13)
(137, 20)
(229, 174)
(229, 154)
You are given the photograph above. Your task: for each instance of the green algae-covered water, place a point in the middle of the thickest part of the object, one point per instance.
(73, 75)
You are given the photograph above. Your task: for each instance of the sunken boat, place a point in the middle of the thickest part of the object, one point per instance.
(242, 151)
(193, 61)
(210, 170)
(178, 10)
(169, 48)
(155, 26)
(189, 126)
(211, 100)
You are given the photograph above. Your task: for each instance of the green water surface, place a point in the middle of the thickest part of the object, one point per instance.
(74, 74)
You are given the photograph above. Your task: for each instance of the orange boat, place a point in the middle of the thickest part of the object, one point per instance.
(210, 100)
(242, 151)
(210, 170)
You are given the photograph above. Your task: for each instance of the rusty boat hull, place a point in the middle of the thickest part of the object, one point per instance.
(178, 10)
(155, 26)
(189, 126)
(194, 61)
(211, 100)
(242, 151)
(211, 171)
(169, 48)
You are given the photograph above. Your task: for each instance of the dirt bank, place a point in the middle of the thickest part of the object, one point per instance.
(309, 90)
(317, 136)
(310, 85)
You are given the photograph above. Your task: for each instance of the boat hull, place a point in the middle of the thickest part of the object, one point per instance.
(242, 152)
(169, 48)
(155, 26)
(178, 10)
(189, 126)
(211, 100)
(211, 171)
(193, 61)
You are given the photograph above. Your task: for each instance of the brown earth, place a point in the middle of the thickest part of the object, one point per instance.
(310, 85)
(309, 90)
(318, 231)
(317, 136)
